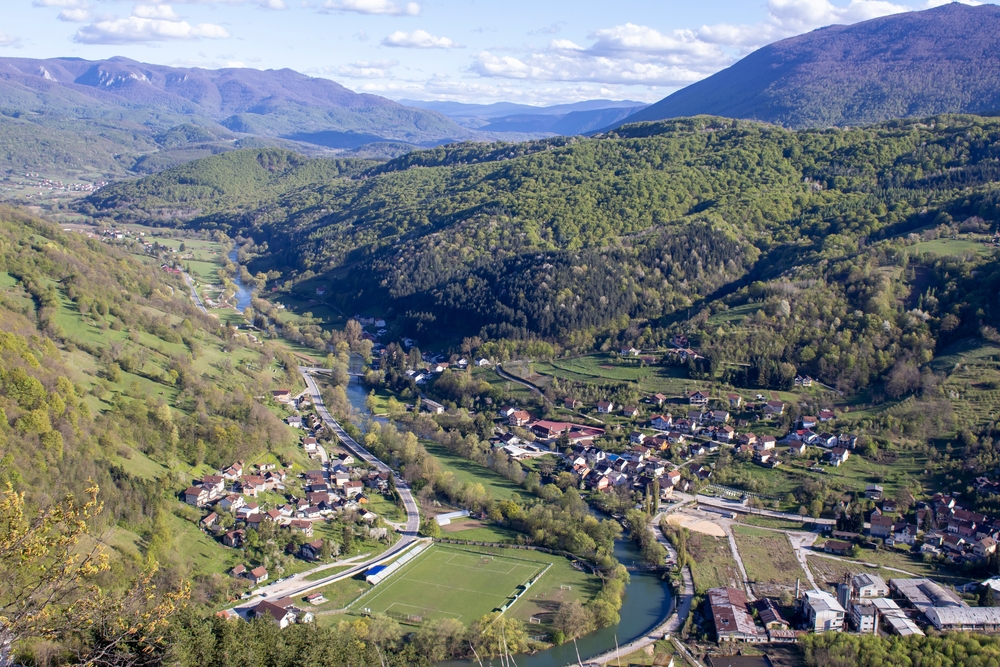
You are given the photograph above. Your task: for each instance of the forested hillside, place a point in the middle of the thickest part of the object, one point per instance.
(629, 236)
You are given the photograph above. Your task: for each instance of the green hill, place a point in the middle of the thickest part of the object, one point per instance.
(108, 373)
(636, 235)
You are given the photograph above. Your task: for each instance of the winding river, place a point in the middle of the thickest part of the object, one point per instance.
(647, 600)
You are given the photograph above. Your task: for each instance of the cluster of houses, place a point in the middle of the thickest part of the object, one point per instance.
(342, 487)
(595, 468)
(436, 365)
(940, 527)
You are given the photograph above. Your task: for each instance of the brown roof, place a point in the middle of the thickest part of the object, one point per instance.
(729, 612)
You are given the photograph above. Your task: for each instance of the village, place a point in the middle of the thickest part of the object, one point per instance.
(253, 504)
(671, 454)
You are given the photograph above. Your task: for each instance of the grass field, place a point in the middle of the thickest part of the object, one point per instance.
(828, 572)
(465, 471)
(769, 560)
(769, 522)
(947, 247)
(713, 565)
(444, 582)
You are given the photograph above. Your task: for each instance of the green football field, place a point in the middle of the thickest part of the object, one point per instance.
(449, 583)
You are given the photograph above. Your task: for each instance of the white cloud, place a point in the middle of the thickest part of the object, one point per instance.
(159, 12)
(632, 54)
(581, 67)
(8, 40)
(786, 18)
(273, 4)
(77, 15)
(367, 69)
(141, 30)
(373, 7)
(418, 39)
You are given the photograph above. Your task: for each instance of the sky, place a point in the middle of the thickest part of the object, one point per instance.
(476, 51)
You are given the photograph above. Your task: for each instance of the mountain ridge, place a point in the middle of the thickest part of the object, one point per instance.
(940, 60)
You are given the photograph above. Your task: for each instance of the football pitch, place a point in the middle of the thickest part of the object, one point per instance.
(448, 582)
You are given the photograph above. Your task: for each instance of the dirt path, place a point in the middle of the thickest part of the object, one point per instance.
(739, 563)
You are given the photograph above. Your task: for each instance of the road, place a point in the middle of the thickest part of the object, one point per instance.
(409, 504)
(739, 562)
(743, 509)
(507, 376)
(298, 584)
(194, 294)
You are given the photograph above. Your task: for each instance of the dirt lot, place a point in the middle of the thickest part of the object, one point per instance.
(696, 524)
(461, 524)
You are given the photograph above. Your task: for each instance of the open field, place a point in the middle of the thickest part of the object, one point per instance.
(902, 559)
(466, 471)
(713, 565)
(829, 572)
(769, 560)
(480, 533)
(947, 247)
(444, 582)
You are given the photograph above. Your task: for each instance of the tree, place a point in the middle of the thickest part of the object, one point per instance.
(42, 567)
(573, 619)
(430, 528)
(495, 634)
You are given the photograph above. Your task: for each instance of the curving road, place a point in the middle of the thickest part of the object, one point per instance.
(298, 584)
(409, 504)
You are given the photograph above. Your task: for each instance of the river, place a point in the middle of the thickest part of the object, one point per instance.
(647, 599)
(243, 295)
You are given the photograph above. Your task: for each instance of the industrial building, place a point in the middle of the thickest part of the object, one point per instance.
(732, 620)
(924, 594)
(891, 617)
(823, 612)
(967, 619)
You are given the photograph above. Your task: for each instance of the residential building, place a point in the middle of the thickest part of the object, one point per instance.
(258, 575)
(283, 616)
(698, 398)
(662, 422)
(605, 407)
(197, 496)
(774, 409)
(519, 418)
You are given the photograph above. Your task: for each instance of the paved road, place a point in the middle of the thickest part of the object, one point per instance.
(513, 378)
(194, 294)
(743, 509)
(409, 504)
(298, 584)
(739, 562)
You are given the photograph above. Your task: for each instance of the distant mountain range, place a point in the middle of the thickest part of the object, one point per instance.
(104, 118)
(562, 119)
(942, 60)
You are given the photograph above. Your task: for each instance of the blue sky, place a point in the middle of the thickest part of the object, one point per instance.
(533, 52)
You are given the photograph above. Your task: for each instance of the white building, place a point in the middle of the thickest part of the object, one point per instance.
(864, 586)
(823, 612)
